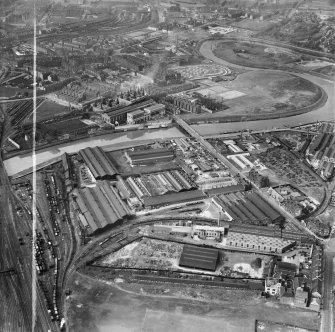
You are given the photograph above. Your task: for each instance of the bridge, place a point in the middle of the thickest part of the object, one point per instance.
(205, 144)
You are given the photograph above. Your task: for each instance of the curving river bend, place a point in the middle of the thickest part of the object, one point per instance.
(324, 113)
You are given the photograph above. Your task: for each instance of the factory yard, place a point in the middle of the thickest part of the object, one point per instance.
(255, 55)
(157, 254)
(100, 306)
(261, 93)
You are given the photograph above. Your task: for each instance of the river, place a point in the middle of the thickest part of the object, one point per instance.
(324, 113)
(20, 163)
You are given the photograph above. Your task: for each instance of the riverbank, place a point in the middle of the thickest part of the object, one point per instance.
(23, 162)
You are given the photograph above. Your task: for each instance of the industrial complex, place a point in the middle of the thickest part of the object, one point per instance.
(167, 165)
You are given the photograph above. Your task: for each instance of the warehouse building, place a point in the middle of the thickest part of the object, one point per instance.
(148, 157)
(98, 163)
(100, 206)
(175, 198)
(199, 258)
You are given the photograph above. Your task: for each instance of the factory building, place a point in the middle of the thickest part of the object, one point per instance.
(118, 115)
(145, 114)
(207, 184)
(175, 198)
(199, 258)
(98, 163)
(148, 157)
(100, 206)
(266, 208)
(208, 232)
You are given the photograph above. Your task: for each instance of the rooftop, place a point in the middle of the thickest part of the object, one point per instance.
(174, 198)
(199, 258)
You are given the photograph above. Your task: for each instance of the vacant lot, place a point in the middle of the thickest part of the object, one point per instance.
(95, 306)
(268, 94)
(146, 253)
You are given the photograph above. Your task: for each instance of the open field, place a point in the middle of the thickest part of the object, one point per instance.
(254, 55)
(66, 126)
(271, 94)
(48, 110)
(95, 306)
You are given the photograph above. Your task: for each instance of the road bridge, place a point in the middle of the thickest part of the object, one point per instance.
(233, 170)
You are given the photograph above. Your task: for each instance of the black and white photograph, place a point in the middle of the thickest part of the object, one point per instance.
(167, 165)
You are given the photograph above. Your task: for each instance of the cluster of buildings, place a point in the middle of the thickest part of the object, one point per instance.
(321, 151)
(238, 237)
(145, 114)
(157, 189)
(287, 282)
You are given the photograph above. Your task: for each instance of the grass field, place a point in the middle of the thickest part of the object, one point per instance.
(95, 306)
(67, 126)
(50, 109)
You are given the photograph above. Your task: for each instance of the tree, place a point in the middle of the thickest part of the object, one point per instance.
(265, 182)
